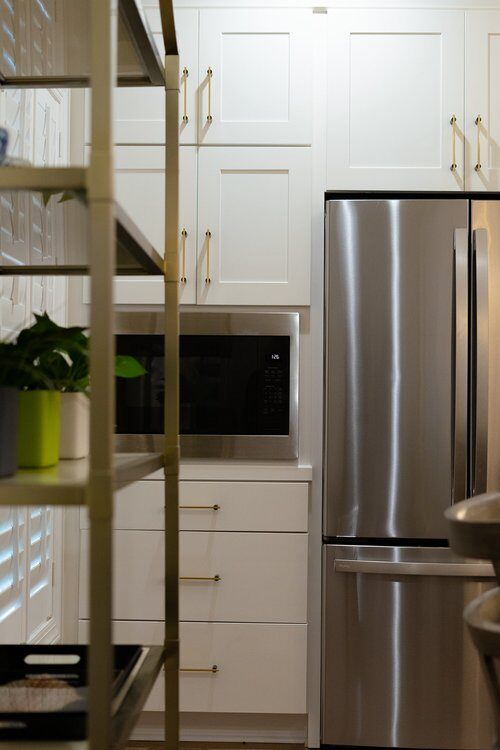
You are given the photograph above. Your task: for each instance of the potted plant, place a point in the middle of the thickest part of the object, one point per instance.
(36, 355)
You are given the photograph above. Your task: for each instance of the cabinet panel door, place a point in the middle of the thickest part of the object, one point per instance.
(260, 87)
(395, 79)
(256, 205)
(482, 96)
(140, 188)
(262, 577)
(140, 111)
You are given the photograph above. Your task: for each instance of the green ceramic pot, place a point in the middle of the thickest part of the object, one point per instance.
(38, 429)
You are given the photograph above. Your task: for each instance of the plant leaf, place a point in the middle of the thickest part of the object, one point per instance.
(128, 367)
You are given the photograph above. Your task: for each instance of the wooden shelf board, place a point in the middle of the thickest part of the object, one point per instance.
(66, 483)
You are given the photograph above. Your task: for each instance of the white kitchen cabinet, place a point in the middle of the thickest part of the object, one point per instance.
(395, 79)
(260, 577)
(263, 577)
(261, 666)
(140, 189)
(140, 111)
(482, 96)
(214, 506)
(255, 76)
(254, 226)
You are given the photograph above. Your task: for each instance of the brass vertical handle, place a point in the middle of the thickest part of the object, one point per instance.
(478, 122)
(184, 235)
(209, 76)
(208, 235)
(453, 123)
(185, 73)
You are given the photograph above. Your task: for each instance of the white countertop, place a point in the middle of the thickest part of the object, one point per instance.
(238, 471)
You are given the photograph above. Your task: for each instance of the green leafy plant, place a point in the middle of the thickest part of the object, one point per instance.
(52, 357)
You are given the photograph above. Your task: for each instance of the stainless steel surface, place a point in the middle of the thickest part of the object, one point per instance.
(461, 280)
(472, 570)
(399, 669)
(205, 324)
(390, 381)
(486, 418)
(474, 528)
(480, 250)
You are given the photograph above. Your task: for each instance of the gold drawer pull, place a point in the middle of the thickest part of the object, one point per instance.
(213, 669)
(184, 235)
(453, 123)
(199, 507)
(209, 76)
(478, 122)
(216, 578)
(185, 73)
(208, 235)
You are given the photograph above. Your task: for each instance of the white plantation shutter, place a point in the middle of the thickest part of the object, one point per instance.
(12, 575)
(40, 558)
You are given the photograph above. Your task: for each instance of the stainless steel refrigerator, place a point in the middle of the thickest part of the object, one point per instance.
(412, 424)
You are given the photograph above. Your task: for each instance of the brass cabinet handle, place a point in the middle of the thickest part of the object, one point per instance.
(199, 507)
(216, 578)
(208, 235)
(184, 235)
(213, 669)
(453, 123)
(185, 73)
(478, 122)
(209, 76)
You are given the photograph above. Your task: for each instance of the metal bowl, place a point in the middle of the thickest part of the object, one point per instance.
(475, 528)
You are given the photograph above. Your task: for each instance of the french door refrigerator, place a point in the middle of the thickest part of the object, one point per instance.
(412, 424)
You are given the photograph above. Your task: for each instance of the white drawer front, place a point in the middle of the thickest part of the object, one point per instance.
(135, 632)
(138, 591)
(244, 506)
(263, 577)
(138, 506)
(262, 668)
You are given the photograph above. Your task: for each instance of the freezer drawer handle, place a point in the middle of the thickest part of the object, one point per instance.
(460, 570)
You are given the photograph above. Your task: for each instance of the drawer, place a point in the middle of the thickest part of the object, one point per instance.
(137, 506)
(263, 577)
(244, 506)
(138, 591)
(134, 632)
(261, 667)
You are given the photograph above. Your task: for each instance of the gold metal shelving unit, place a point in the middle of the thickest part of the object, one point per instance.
(119, 49)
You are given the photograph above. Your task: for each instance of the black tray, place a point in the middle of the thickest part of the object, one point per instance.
(56, 710)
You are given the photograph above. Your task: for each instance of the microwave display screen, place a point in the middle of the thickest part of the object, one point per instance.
(229, 385)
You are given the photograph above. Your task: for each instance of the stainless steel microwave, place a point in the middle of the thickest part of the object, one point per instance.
(238, 384)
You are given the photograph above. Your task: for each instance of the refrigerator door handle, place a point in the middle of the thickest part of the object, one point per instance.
(461, 314)
(387, 567)
(480, 250)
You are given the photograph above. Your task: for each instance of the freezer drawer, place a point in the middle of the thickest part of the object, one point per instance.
(399, 669)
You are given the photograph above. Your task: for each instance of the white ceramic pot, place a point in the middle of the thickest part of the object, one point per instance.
(75, 425)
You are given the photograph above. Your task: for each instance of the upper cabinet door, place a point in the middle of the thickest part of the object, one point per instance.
(254, 226)
(395, 81)
(140, 189)
(482, 95)
(255, 77)
(140, 112)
